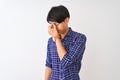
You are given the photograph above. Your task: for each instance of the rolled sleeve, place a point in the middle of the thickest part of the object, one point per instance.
(48, 59)
(75, 51)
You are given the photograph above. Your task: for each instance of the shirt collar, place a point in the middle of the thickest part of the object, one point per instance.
(68, 34)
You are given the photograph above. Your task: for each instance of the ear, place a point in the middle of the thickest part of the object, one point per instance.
(67, 20)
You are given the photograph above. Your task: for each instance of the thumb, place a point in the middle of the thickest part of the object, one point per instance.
(54, 26)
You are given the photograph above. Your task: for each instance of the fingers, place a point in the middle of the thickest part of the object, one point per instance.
(49, 29)
(54, 26)
(52, 30)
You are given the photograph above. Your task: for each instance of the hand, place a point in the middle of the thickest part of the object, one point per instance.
(53, 31)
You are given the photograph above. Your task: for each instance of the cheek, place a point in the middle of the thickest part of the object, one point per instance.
(60, 28)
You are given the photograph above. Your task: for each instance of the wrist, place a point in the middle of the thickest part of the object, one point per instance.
(56, 38)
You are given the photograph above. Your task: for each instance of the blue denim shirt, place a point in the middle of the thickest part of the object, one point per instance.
(68, 68)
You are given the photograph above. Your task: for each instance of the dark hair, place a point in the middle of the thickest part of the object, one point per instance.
(58, 14)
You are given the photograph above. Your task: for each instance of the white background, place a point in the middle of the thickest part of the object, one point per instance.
(23, 37)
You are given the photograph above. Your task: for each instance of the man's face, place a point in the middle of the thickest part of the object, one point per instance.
(61, 27)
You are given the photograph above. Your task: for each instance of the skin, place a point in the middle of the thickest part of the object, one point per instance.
(57, 31)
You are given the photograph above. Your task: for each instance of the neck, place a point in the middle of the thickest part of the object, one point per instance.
(63, 35)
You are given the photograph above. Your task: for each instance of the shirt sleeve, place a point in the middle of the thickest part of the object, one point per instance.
(75, 51)
(48, 59)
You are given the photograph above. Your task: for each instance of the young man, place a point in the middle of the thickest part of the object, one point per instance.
(65, 48)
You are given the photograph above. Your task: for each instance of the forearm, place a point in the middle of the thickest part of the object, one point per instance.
(47, 73)
(54, 33)
(60, 49)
